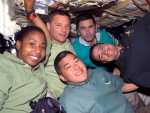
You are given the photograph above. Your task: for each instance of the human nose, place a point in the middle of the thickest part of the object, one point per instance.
(87, 31)
(76, 67)
(105, 53)
(65, 29)
(38, 49)
(104, 50)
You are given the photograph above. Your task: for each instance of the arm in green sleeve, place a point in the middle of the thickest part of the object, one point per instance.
(4, 89)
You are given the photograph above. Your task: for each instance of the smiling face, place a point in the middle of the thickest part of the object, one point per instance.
(59, 28)
(72, 69)
(87, 29)
(31, 49)
(105, 53)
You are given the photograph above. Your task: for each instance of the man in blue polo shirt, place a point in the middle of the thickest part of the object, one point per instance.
(88, 36)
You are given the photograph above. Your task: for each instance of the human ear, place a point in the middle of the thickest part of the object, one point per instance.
(62, 78)
(96, 27)
(48, 25)
(78, 32)
(18, 45)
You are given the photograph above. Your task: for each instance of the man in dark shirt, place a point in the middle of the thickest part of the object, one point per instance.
(133, 57)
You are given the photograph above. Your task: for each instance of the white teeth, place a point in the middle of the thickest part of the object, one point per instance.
(78, 72)
(35, 58)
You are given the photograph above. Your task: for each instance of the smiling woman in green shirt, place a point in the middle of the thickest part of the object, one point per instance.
(20, 74)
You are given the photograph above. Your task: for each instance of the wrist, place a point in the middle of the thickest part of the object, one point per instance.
(31, 15)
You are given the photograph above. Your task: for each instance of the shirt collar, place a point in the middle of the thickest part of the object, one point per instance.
(82, 41)
(15, 59)
(80, 83)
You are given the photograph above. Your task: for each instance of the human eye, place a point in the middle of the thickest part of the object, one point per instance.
(67, 27)
(100, 57)
(43, 46)
(32, 44)
(100, 53)
(58, 25)
(76, 60)
(67, 67)
(91, 26)
(82, 28)
(102, 49)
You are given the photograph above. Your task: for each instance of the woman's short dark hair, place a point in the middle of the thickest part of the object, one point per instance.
(109, 65)
(100, 63)
(20, 35)
(58, 58)
(3, 43)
